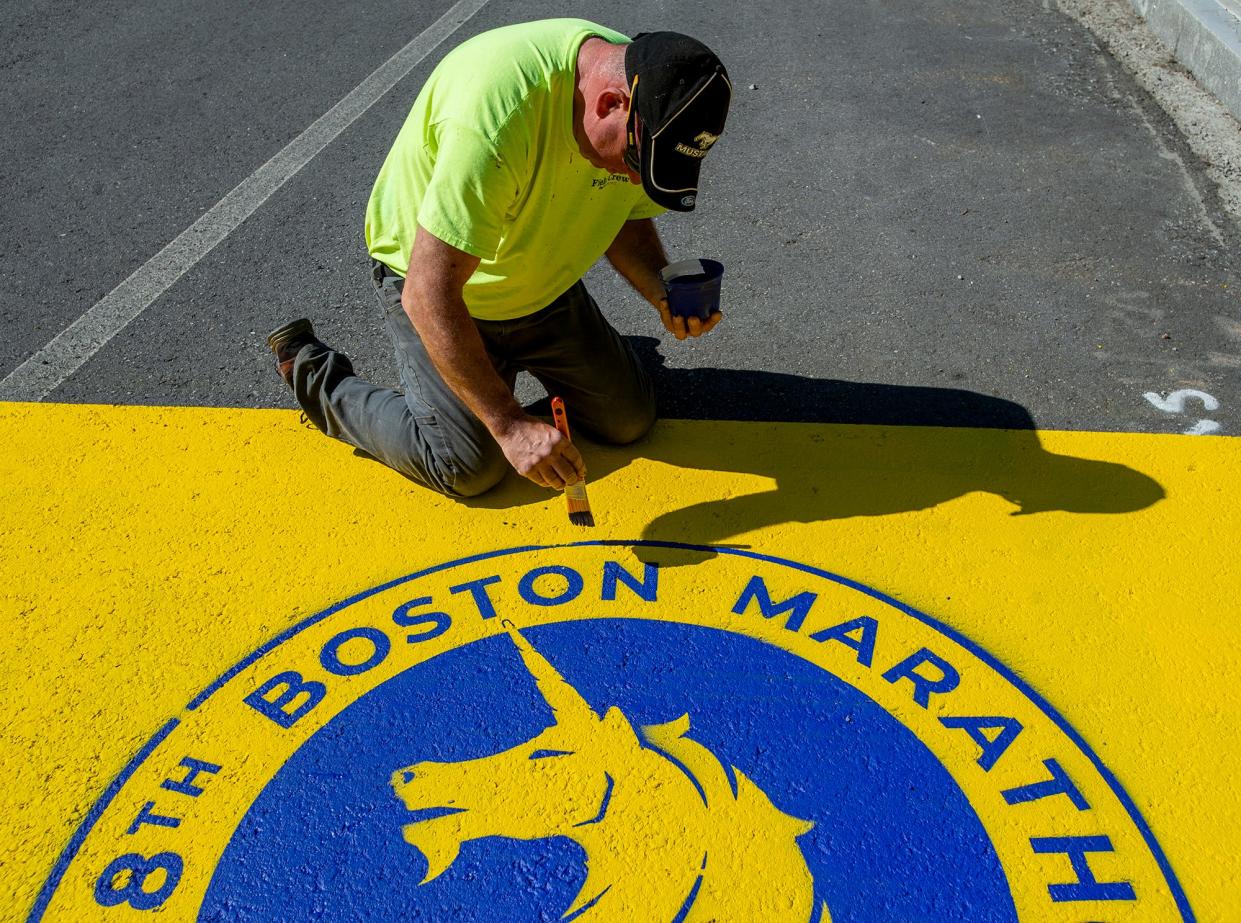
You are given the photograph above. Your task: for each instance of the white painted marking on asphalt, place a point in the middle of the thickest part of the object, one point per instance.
(1175, 403)
(1202, 428)
(69, 350)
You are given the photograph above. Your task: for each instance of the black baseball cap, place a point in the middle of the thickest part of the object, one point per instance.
(680, 94)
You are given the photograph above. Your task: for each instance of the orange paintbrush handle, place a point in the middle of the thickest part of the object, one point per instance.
(561, 418)
(575, 493)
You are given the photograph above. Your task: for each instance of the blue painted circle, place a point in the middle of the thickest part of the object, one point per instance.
(894, 838)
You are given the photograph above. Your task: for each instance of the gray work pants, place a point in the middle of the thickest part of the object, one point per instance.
(429, 435)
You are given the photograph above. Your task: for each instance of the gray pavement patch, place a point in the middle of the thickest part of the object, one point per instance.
(39, 375)
(1211, 130)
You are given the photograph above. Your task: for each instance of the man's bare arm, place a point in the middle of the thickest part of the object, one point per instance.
(638, 254)
(433, 300)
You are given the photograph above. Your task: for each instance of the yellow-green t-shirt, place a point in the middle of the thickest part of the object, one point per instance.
(487, 162)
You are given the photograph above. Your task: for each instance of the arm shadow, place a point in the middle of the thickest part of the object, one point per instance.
(910, 448)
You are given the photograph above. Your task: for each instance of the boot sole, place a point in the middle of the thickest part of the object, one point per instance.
(300, 328)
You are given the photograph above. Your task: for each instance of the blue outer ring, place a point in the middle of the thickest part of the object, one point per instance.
(96, 811)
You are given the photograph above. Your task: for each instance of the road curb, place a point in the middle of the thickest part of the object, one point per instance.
(1205, 36)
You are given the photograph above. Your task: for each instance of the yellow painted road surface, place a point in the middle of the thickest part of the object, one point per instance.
(1081, 587)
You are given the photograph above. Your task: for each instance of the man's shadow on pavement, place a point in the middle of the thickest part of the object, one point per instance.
(980, 443)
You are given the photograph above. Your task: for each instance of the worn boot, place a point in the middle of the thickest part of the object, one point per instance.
(287, 341)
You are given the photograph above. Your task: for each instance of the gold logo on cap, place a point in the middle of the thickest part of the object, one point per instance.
(703, 140)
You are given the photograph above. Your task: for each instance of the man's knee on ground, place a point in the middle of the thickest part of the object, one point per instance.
(480, 476)
(624, 428)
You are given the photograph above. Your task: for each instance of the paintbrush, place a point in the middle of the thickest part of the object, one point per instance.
(575, 494)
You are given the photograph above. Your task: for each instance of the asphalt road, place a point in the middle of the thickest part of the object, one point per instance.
(956, 211)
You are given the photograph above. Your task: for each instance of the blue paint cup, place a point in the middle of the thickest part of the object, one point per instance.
(693, 287)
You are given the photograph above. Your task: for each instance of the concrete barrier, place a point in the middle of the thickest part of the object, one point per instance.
(1205, 36)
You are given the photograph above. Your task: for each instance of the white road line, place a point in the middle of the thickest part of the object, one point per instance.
(43, 372)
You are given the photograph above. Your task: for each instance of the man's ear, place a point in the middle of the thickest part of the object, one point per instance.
(609, 101)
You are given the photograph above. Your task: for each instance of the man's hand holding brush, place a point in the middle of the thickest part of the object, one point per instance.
(542, 454)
